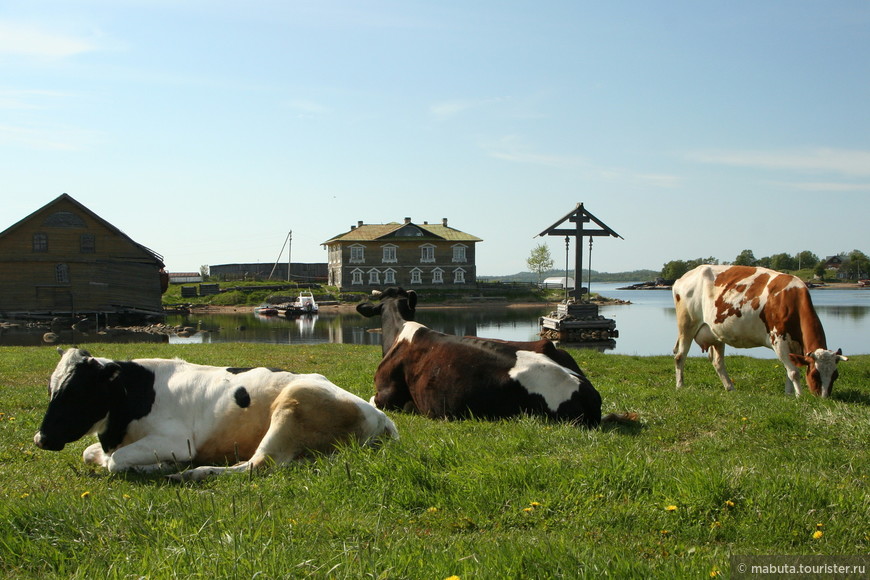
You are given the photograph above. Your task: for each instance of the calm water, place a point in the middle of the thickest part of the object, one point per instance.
(647, 326)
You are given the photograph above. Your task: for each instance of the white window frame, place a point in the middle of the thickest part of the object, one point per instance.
(389, 276)
(357, 254)
(356, 277)
(390, 254)
(460, 255)
(427, 254)
(374, 277)
(459, 276)
(437, 276)
(416, 276)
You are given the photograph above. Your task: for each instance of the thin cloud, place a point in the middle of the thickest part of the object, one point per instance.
(27, 99)
(830, 186)
(308, 108)
(19, 39)
(843, 161)
(448, 109)
(512, 150)
(57, 139)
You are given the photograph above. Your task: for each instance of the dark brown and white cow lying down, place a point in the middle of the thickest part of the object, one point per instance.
(442, 375)
(746, 307)
(150, 414)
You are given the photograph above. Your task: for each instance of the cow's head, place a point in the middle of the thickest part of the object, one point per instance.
(79, 391)
(395, 307)
(821, 369)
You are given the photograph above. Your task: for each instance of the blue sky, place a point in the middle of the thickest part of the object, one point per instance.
(208, 130)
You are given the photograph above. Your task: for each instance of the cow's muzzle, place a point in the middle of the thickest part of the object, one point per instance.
(43, 443)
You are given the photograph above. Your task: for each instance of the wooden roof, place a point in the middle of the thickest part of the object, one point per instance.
(68, 199)
(579, 215)
(403, 232)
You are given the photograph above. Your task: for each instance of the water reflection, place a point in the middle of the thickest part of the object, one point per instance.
(351, 328)
(646, 327)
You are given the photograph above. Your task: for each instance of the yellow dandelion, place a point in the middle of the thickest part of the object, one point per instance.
(715, 572)
(716, 524)
(535, 504)
(820, 525)
(24, 495)
(528, 510)
(86, 495)
(452, 578)
(126, 496)
(743, 419)
(671, 508)
(431, 510)
(818, 534)
(665, 532)
(729, 503)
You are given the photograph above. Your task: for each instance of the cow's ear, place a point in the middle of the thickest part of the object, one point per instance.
(368, 309)
(108, 372)
(800, 360)
(412, 299)
(112, 371)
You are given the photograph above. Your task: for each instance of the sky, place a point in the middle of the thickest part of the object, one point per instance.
(208, 131)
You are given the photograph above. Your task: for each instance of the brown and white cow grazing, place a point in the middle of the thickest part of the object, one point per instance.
(150, 414)
(746, 307)
(442, 375)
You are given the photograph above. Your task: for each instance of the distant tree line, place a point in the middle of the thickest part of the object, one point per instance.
(854, 265)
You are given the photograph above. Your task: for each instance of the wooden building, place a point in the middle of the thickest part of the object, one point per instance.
(64, 259)
(299, 272)
(374, 256)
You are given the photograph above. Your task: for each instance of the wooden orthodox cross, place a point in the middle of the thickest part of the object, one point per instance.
(579, 216)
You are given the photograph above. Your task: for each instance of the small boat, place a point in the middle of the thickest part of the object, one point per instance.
(266, 310)
(863, 283)
(304, 304)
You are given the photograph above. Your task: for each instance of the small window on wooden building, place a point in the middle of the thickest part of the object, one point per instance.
(437, 276)
(459, 276)
(61, 273)
(389, 255)
(427, 253)
(357, 254)
(357, 276)
(416, 276)
(87, 244)
(374, 276)
(389, 276)
(40, 242)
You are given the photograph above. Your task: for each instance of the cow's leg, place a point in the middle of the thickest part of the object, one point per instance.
(793, 373)
(153, 454)
(687, 330)
(681, 351)
(717, 357)
(303, 420)
(95, 455)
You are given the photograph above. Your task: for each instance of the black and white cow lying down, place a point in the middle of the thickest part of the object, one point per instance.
(443, 375)
(150, 414)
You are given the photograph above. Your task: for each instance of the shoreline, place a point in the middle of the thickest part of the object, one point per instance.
(351, 306)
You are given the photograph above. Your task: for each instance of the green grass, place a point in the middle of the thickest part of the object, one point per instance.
(748, 472)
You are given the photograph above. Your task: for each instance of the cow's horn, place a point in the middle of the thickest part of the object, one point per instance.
(377, 293)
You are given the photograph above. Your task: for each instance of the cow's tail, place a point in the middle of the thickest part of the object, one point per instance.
(622, 418)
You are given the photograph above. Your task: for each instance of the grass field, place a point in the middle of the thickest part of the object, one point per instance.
(705, 474)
